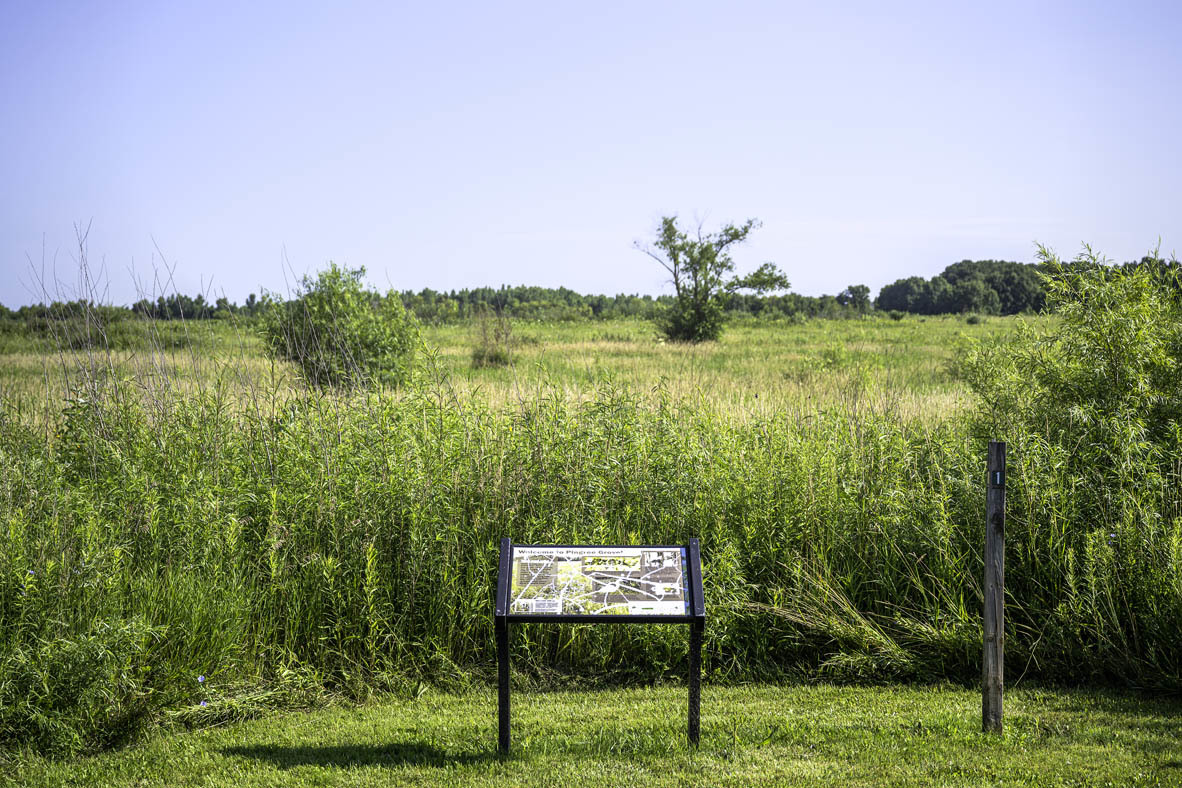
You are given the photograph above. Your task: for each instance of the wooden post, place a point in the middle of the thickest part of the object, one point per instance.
(993, 659)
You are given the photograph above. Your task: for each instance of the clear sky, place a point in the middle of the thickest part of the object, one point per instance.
(452, 145)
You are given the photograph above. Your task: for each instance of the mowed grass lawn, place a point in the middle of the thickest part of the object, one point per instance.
(751, 736)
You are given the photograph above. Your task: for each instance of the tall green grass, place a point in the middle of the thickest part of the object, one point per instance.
(353, 541)
(164, 547)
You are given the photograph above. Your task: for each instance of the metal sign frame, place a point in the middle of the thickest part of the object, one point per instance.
(695, 618)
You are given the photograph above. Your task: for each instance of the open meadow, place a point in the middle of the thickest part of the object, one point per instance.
(758, 368)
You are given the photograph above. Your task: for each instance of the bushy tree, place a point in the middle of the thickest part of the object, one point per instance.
(701, 269)
(340, 334)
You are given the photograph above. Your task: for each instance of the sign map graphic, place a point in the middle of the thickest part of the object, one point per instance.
(599, 581)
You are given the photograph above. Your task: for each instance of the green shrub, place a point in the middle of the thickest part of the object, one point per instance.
(1092, 410)
(340, 334)
(1104, 382)
(493, 346)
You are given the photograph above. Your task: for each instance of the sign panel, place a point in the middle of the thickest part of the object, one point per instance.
(599, 581)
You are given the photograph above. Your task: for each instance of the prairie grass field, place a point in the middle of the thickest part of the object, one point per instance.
(182, 520)
(758, 368)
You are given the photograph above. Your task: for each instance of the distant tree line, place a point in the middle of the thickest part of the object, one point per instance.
(179, 306)
(527, 303)
(994, 287)
(539, 303)
(549, 304)
(37, 314)
(436, 307)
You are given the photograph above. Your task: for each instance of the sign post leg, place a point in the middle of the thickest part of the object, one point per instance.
(502, 627)
(695, 681)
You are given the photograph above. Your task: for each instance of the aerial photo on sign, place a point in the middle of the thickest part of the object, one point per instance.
(599, 581)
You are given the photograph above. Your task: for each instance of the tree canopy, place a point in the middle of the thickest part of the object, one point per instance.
(993, 287)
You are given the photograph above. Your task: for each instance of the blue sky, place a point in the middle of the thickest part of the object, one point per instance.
(452, 145)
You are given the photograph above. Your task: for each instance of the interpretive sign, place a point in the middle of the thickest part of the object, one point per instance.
(600, 581)
(657, 584)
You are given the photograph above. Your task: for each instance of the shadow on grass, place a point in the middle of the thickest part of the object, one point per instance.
(353, 756)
